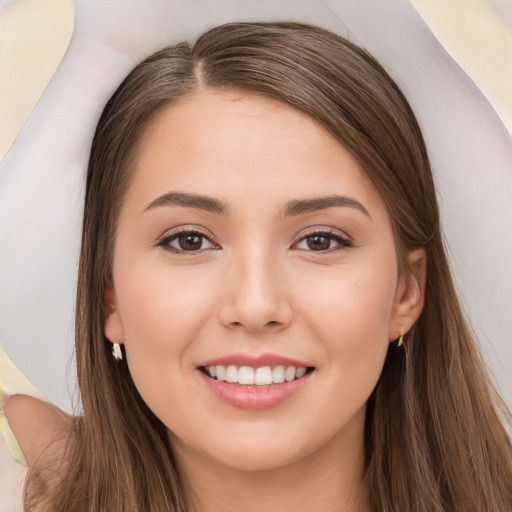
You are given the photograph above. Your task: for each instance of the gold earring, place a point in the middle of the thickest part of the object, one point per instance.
(400, 339)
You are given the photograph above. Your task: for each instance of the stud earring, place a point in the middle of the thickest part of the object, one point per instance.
(116, 352)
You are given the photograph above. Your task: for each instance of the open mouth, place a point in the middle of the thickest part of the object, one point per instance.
(247, 376)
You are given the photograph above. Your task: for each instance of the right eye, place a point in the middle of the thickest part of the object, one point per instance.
(186, 242)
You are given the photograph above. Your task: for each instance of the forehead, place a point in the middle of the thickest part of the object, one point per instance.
(244, 147)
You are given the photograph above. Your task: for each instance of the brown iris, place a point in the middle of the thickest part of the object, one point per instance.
(190, 242)
(318, 243)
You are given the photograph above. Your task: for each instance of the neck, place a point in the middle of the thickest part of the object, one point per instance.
(330, 479)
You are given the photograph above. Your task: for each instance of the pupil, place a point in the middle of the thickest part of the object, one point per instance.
(318, 243)
(190, 242)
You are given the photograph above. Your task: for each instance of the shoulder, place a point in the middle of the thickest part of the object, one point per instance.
(41, 429)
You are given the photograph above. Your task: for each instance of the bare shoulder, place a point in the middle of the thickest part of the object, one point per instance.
(41, 429)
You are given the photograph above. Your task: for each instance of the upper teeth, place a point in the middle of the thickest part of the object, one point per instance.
(262, 376)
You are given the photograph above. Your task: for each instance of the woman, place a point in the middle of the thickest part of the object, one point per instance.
(261, 246)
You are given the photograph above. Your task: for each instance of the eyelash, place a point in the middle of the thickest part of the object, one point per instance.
(166, 240)
(343, 241)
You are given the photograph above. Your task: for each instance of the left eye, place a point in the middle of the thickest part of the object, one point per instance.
(186, 241)
(319, 242)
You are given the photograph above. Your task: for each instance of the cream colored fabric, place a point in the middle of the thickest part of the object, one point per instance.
(12, 460)
(34, 35)
(11, 379)
(474, 33)
(12, 477)
(13, 382)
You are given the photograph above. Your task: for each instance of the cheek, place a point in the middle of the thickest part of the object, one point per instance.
(159, 304)
(348, 313)
(163, 312)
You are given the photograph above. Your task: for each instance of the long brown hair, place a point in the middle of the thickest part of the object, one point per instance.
(433, 437)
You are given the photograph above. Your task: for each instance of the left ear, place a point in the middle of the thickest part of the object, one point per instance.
(410, 294)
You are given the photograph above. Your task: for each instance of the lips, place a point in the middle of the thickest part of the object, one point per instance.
(255, 382)
(256, 361)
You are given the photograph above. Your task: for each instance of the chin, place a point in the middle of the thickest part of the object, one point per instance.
(255, 447)
(256, 457)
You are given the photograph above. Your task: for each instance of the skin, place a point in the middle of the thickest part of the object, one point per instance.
(41, 430)
(256, 286)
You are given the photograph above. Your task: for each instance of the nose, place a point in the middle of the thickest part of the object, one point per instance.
(255, 297)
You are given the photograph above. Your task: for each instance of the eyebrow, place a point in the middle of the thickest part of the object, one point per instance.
(210, 204)
(300, 206)
(292, 208)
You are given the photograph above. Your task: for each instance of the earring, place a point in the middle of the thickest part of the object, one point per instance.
(400, 339)
(116, 352)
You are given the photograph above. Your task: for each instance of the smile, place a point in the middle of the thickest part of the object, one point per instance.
(263, 376)
(255, 383)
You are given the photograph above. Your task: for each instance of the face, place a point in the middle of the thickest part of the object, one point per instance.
(252, 248)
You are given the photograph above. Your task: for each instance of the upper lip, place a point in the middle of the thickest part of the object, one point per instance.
(255, 361)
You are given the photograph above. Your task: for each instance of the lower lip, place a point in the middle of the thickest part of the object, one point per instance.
(254, 398)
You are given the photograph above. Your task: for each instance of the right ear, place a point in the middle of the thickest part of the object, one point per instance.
(113, 325)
